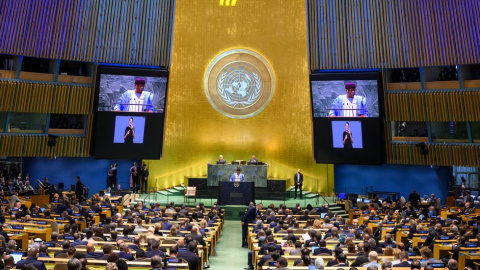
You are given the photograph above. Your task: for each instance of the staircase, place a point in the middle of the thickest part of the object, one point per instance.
(338, 210)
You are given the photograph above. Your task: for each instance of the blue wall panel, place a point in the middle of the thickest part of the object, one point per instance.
(399, 178)
(92, 172)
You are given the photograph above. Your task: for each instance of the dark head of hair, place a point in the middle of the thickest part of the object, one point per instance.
(74, 264)
(156, 262)
(322, 243)
(113, 258)
(415, 265)
(89, 234)
(367, 247)
(66, 245)
(282, 262)
(192, 246)
(275, 255)
(140, 254)
(298, 244)
(307, 260)
(155, 244)
(342, 258)
(71, 251)
(174, 250)
(305, 251)
(121, 265)
(337, 251)
(271, 249)
(107, 249)
(79, 255)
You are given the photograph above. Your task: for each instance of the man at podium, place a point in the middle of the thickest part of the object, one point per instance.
(238, 176)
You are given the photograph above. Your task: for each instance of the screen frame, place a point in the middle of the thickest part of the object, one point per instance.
(128, 71)
(334, 155)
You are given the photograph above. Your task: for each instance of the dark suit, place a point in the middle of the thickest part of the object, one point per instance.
(249, 217)
(298, 180)
(94, 255)
(78, 242)
(198, 238)
(322, 250)
(264, 248)
(151, 253)
(79, 189)
(124, 255)
(402, 264)
(191, 258)
(361, 259)
(29, 260)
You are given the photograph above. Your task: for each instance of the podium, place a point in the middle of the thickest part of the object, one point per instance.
(236, 193)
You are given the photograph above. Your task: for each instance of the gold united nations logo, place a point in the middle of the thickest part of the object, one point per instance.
(239, 83)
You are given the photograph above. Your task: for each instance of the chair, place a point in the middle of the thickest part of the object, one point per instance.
(96, 238)
(126, 200)
(62, 255)
(168, 242)
(147, 259)
(54, 226)
(299, 231)
(348, 205)
(190, 192)
(60, 266)
(79, 247)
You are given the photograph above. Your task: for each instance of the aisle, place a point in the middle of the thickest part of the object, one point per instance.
(230, 254)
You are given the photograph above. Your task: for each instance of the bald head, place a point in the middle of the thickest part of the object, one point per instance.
(90, 247)
(8, 260)
(32, 252)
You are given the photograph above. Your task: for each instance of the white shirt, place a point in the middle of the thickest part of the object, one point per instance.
(134, 99)
(237, 177)
(349, 107)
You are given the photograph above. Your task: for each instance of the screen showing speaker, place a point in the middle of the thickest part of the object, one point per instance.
(130, 112)
(347, 111)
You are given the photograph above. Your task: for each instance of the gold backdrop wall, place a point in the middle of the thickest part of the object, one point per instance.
(281, 135)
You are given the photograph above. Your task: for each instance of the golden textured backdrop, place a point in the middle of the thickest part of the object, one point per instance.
(281, 135)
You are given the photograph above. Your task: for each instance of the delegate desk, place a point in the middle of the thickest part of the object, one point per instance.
(236, 193)
(253, 173)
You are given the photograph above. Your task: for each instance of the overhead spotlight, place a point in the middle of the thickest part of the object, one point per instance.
(228, 3)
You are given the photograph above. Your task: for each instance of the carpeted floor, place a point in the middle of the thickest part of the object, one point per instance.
(230, 254)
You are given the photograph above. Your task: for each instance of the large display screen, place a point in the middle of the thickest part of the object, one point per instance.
(348, 98)
(130, 112)
(347, 110)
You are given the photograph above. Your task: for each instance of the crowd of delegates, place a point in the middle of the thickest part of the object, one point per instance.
(358, 242)
(125, 231)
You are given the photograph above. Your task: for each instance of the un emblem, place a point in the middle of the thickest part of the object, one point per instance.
(239, 83)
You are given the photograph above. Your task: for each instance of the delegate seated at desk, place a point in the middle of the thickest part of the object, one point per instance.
(238, 176)
(221, 160)
(253, 160)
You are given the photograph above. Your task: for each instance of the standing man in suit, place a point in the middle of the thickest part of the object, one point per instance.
(79, 189)
(298, 179)
(134, 177)
(144, 180)
(249, 217)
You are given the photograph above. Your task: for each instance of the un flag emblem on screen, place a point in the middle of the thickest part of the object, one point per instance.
(239, 83)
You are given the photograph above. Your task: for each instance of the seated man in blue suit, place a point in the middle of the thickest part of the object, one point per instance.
(136, 100)
(238, 176)
(32, 259)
